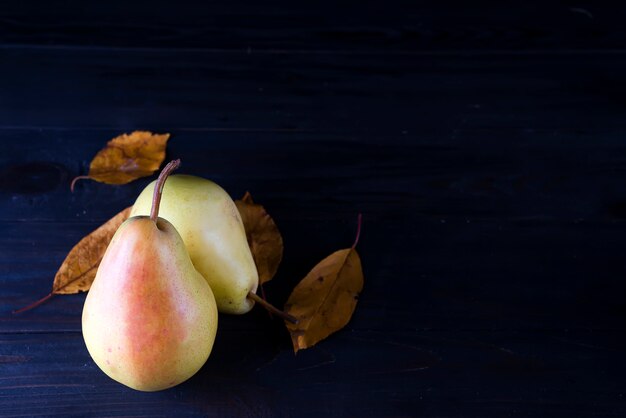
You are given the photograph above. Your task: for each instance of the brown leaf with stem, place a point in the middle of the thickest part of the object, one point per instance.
(323, 302)
(264, 239)
(127, 157)
(79, 267)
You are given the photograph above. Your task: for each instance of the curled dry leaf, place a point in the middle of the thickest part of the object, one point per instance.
(127, 158)
(79, 267)
(323, 302)
(264, 239)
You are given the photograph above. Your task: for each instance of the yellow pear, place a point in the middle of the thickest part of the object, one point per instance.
(211, 227)
(149, 320)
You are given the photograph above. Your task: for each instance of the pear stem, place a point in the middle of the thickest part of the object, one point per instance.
(273, 309)
(265, 299)
(158, 187)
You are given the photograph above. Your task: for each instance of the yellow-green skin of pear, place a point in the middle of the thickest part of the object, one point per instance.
(211, 228)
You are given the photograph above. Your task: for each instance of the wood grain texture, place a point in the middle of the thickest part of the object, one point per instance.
(484, 147)
(433, 373)
(354, 94)
(396, 25)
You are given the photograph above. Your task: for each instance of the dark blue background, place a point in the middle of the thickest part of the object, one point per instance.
(484, 143)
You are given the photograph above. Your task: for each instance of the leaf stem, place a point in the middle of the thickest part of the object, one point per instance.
(75, 180)
(158, 188)
(358, 230)
(33, 305)
(272, 308)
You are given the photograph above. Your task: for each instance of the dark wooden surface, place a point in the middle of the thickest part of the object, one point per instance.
(485, 145)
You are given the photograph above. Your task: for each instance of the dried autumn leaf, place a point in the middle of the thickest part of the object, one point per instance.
(79, 267)
(127, 158)
(323, 302)
(264, 239)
